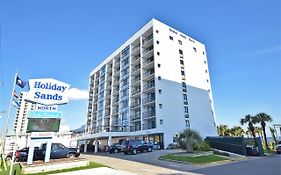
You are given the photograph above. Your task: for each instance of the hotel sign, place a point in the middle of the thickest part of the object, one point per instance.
(48, 91)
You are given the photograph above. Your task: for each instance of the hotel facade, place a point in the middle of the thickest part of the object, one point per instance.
(154, 86)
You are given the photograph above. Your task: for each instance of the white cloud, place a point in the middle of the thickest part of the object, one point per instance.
(77, 94)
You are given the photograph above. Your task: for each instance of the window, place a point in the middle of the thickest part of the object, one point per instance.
(159, 77)
(182, 73)
(160, 106)
(159, 65)
(185, 109)
(185, 97)
(157, 31)
(187, 124)
(207, 81)
(194, 49)
(206, 71)
(158, 53)
(203, 53)
(181, 61)
(157, 42)
(161, 121)
(180, 51)
(160, 91)
(180, 43)
(205, 62)
(171, 38)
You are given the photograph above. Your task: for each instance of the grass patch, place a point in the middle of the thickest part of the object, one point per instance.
(17, 168)
(268, 151)
(196, 160)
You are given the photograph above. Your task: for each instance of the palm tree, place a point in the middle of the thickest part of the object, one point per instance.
(250, 120)
(262, 118)
(223, 130)
(187, 138)
(272, 130)
(258, 131)
(237, 131)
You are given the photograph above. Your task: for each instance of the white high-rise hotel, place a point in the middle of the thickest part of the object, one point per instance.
(152, 87)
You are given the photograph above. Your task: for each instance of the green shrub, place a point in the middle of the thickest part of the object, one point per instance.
(201, 146)
(221, 153)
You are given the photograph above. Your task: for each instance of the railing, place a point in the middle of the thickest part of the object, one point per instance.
(148, 73)
(145, 51)
(148, 114)
(135, 58)
(135, 117)
(136, 91)
(148, 61)
(137, 68)
(147, 39)
(148, 99)
(135, 104)
(136, 48)
(148, 86)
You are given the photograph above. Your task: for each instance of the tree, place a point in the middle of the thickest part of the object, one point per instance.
(262, 118)
(223, 130)
(237, 131)
(188, 138)
(248, 119)
(272, 130)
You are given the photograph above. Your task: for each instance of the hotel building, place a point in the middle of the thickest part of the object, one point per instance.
(154, 86)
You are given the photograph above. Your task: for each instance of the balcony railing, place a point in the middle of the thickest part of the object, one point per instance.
(145, 51)
(148, 114)
(148, 86)
(135, 104)
(135, 48)
(148, 61)
(135, 117)
(148, 73)
(147, 39)
(148, 100)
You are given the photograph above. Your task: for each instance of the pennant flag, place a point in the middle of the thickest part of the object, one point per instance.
(20, 82)
(15, 103)
(15, 94)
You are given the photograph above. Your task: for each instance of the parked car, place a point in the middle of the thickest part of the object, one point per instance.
(114, 148)
(21, 155)
(278, 147)
(135, 146)
(58, 150)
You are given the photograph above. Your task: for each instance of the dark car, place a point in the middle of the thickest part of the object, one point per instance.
(114, 148)
(58, 150)
(135, 146)
(21, 155)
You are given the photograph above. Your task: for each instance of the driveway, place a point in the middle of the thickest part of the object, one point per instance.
(151, 158)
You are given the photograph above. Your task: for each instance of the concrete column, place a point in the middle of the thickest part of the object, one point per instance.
(30, 152)
(85, 146)
(96, 145)
(109, 143)
(48, 150)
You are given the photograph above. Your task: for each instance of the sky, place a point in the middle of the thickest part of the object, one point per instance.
(67, 39)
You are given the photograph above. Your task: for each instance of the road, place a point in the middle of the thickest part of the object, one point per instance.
(270, 165)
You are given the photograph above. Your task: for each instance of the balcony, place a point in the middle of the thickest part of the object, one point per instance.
(135, 117)
(135, 60)
(148, 86)
(136, 92)
(116, 90)
(148, 114)
(148, 100)
(148, 74)
(136, 70)
(135, 49)
(147, 41)
(135, 104)
(148, 63)
(148, 52)
(136, 80)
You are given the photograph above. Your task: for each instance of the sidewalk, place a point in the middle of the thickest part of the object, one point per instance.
(135, 168)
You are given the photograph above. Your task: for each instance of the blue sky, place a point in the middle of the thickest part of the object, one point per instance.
(66, 39)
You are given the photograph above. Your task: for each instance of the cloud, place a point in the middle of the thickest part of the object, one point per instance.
(77, 94)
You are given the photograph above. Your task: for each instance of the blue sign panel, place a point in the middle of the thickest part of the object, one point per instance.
(44, 114)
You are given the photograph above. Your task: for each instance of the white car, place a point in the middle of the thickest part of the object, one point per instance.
(278, 148)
